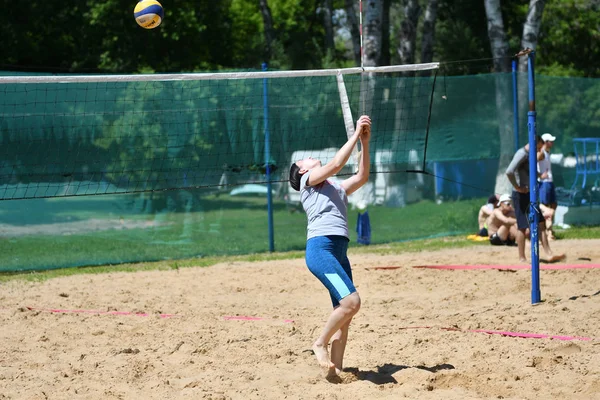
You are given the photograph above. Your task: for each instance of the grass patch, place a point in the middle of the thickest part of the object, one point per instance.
(204, 229)
(432, 244)
(578, 232)
(74, 232)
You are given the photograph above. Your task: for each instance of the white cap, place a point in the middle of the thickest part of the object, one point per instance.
(503, 198)
(546, 137)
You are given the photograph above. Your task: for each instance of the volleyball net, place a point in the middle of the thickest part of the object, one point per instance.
(89, 135)
(111, 169)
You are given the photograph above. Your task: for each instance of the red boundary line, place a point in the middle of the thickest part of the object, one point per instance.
(507, 333)
(246, 318)
(509, 267)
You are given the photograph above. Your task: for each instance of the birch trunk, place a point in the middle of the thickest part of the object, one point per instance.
(531, 29)
(429, 31)
(499, 47)
(372, 44)
(396, 182)
(372, 32)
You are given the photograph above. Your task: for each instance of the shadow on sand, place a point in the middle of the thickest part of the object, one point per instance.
(383, 374)
(584, 295)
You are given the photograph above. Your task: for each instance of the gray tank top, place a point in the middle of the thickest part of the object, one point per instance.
(326, 206)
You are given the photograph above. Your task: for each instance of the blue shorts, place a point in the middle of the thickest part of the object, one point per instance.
(547, 193)
(521, 204)
(327, 260)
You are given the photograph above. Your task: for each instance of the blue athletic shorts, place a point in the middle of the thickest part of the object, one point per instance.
(327, 260)
(547, 193)
(521, 204)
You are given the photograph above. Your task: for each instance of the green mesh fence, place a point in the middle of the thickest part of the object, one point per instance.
(105, 173)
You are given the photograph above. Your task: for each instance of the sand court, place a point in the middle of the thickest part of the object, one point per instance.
(244, 330)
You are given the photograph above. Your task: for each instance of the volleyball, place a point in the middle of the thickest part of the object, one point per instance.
(148, 14)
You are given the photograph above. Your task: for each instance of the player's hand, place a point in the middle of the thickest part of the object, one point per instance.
(523, 189)
(363, 126)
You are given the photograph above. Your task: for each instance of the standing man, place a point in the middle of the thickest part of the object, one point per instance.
(518, 175)
(547, 190)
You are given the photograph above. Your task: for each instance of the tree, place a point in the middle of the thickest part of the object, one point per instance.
(373, 32)
(385, 58)
(428, 39)
(265, 11)
(327, 13)
(568, 39)
(408, 32)
(354, 30)
(531, 29)
(497, 35)
(499, 47)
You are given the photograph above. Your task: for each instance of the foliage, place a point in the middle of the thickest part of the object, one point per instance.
(461, 34)
(570, 37)
(562, 98)
(88, 36)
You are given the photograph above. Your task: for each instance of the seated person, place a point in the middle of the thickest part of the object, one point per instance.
(484, 213)
(502, 223)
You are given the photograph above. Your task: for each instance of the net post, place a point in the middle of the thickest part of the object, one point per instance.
(533, 191)
(267, 161)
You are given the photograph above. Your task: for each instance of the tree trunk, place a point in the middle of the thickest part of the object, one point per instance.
(531, 29)
(328, 24)
(497, 36)
(429, 31)
(268, 25)
(396, 182)
(499, 47)
(354, 30)
(408, 31)
(372, 45)
(385, 58)
(372, 33)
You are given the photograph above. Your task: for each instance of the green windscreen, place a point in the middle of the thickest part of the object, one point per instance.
(111, 172)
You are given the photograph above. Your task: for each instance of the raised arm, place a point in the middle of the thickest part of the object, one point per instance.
(353, 183)
(320, 174)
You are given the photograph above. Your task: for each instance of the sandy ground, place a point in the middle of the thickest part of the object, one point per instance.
(200, 353)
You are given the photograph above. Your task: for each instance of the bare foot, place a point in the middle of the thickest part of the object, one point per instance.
(334, 378)
(523, 260)
(323, 358)
(557, 257)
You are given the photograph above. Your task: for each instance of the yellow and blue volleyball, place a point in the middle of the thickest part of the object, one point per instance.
(148, 14)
